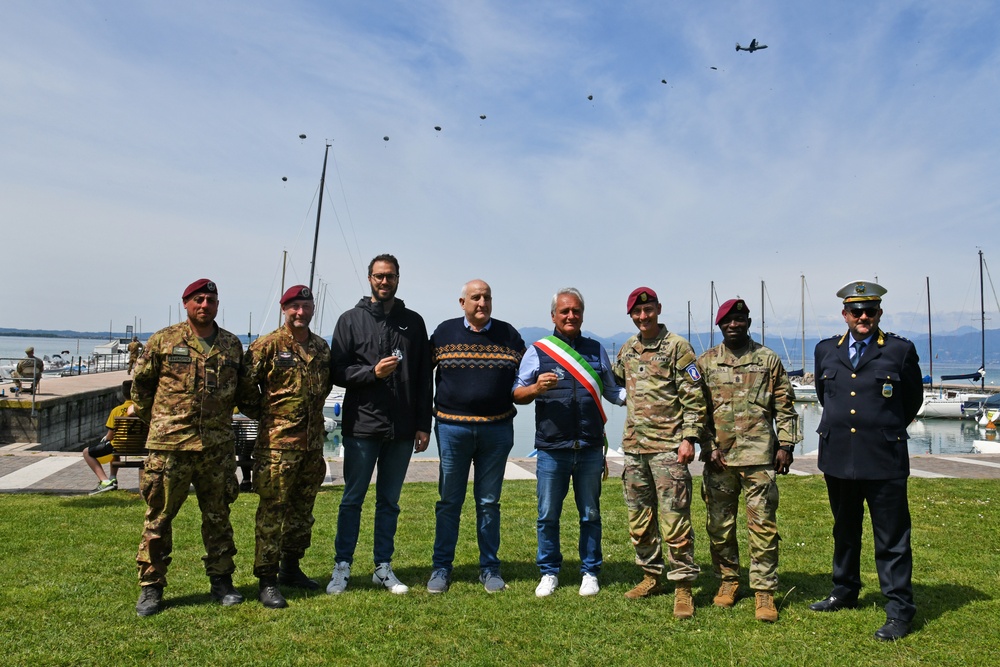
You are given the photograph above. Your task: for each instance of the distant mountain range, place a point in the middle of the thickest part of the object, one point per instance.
(958, 347)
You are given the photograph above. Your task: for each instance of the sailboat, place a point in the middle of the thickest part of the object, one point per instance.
(950, 402)
(804, 392)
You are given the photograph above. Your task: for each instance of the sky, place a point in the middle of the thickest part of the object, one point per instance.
(144, 145)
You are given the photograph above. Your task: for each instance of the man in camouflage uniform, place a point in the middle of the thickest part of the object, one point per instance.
(186, 384)
(134, 350)
(755, 427)
(291, 366)
(666, 415)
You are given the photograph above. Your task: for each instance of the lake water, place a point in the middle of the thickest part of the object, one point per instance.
(934, 436)
(930, 436)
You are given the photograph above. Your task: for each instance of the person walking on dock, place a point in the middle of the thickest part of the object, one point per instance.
(187, 382)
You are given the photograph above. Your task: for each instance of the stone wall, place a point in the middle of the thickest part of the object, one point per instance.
(64, 423)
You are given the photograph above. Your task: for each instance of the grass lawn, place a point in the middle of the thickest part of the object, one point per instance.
(68, 590)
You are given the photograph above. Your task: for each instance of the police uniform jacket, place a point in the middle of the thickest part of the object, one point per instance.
(862, 433)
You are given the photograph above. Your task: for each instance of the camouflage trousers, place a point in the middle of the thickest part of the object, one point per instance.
(721, 491)
(658, 497)
(166, 482)
(287, 482)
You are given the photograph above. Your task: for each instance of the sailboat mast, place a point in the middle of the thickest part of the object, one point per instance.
(762, 312)
(711, 315)
(319, 212)
(930, 336)
(982, 326)
(803, 309)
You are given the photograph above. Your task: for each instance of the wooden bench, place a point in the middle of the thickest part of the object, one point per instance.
(129, 441)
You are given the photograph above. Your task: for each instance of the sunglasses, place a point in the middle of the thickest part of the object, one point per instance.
(871, 311)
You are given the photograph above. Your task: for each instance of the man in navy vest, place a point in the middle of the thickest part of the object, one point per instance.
(566, 374)
(870, 385)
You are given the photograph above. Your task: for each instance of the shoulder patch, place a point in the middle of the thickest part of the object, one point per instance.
(692, 370)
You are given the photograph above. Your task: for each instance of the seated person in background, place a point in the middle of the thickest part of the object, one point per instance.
(105, 448)
(29, 368)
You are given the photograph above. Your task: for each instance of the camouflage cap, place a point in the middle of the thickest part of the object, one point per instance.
(200, 285)
(861, 291)
(296, 292)
(738, 305)
(641, 295)
(29, 350)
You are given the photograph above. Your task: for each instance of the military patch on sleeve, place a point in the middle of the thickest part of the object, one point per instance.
(692, 370)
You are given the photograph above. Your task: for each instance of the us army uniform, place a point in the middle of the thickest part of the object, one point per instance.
(187, 394)
(289, 468)
(751, 414)
(665, 404)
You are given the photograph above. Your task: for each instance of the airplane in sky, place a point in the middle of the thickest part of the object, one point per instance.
(753, 46)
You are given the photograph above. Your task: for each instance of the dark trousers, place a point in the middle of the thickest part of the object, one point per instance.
(890, 514)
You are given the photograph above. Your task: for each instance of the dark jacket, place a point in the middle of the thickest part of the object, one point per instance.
(398, 406)
(862, 433)
(566, 416)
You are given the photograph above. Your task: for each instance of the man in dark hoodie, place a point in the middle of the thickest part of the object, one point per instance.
(380, 353)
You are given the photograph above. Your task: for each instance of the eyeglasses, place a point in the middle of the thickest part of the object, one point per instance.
(856, 313)
(379, 277)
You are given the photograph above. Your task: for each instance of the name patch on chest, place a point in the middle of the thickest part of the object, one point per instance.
(285, 359)
(180, 354)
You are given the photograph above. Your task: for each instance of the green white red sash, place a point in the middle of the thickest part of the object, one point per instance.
(575, 365)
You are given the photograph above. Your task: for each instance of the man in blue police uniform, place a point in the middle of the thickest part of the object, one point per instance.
(870, 386)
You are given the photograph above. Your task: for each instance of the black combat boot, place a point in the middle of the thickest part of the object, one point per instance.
(269, 595)
(150, 601)
(223, 591)
(290, 574)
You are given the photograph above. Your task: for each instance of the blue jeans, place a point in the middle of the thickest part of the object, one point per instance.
(554, 470)
(361, 455)
(461, 445)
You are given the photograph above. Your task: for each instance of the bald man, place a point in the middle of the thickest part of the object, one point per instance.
(477, 358)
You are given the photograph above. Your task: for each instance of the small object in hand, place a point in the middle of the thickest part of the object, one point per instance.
(398, 353)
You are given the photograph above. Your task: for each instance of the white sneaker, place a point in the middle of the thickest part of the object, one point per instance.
(546, 585)
(338, 581)
(385, 576)
(589, 586)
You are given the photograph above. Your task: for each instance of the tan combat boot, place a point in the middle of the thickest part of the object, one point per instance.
(683, 602)
(766, 611)
(648, 587)
(726, 597)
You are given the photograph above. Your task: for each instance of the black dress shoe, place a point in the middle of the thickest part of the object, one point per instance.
(893, 629)
(833, 603)
(269, 595)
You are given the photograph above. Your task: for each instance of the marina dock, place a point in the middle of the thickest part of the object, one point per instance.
(65, 414)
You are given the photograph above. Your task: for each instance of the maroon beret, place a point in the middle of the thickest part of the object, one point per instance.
(296, 292)
(739, 305)
(641, 295)
(200, 285)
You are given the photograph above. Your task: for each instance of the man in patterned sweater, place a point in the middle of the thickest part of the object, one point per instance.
(477, 358)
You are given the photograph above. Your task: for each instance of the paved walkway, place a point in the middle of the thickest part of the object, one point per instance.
(65, 473)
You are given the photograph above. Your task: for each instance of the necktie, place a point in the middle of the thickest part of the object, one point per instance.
(859, 347)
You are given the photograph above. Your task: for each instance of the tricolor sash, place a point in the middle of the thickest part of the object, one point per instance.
(575, 365)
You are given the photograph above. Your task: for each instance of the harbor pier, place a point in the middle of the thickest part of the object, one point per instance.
(65, 414)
